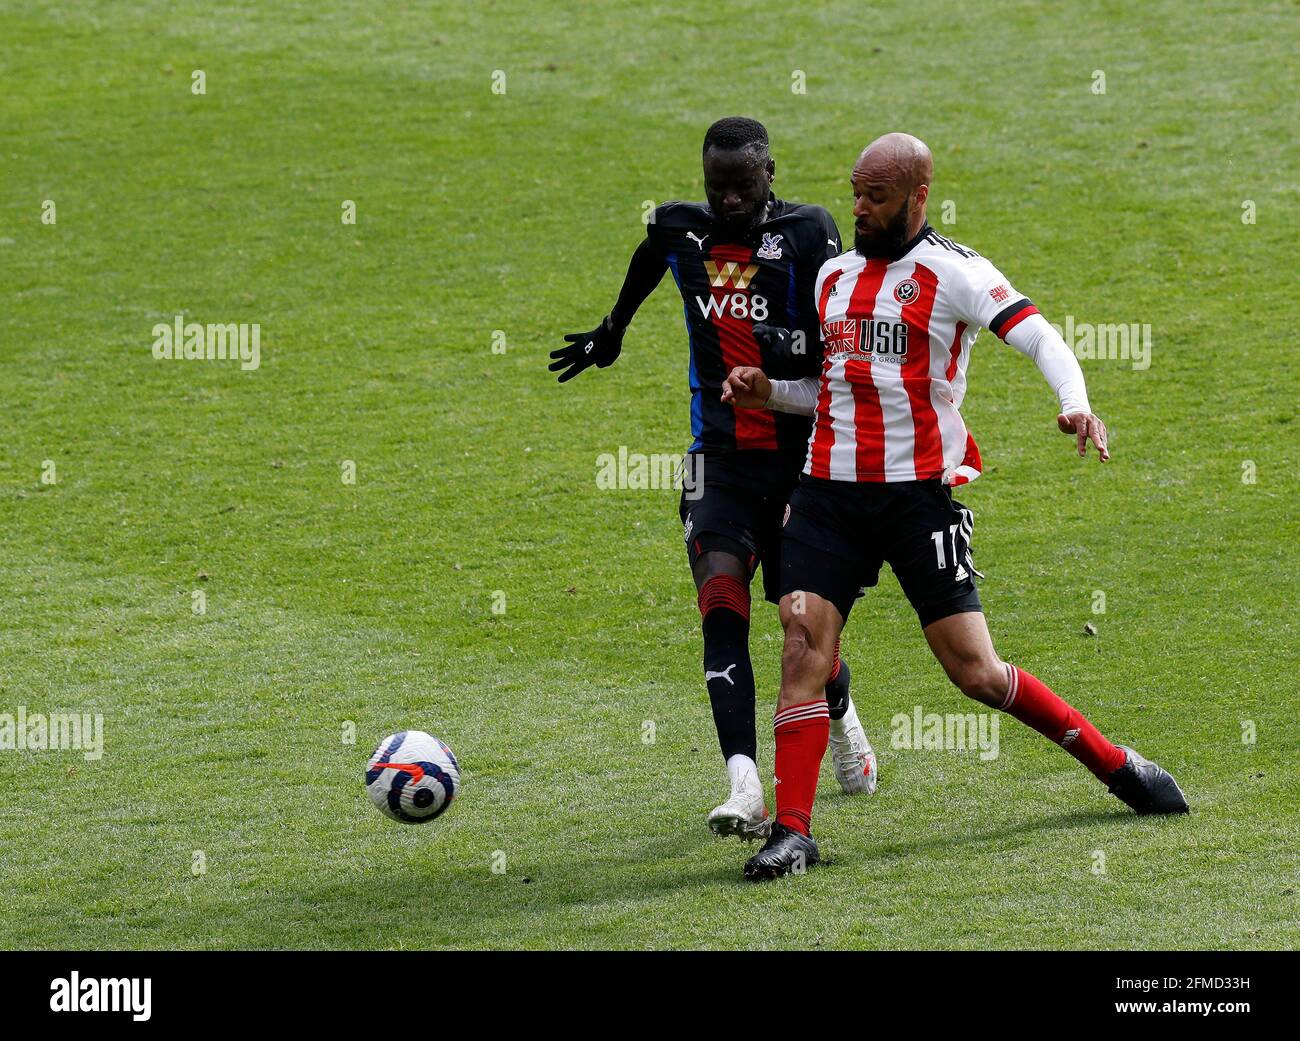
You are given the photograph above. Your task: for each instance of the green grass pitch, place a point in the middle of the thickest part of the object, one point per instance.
(228, 810)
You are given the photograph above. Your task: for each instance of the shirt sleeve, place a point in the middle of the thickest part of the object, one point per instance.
(988, 300)
(644, 272)
(797, 396)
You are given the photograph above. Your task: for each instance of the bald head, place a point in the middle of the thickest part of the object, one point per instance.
(898, 159)
(891, 182)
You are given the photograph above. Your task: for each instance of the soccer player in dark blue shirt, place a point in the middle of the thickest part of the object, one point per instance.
(745, 263)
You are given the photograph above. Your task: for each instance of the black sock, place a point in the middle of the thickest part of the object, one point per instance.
(724, 617)
(837, 687)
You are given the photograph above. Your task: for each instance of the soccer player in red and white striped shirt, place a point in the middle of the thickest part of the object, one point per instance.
(899, 314)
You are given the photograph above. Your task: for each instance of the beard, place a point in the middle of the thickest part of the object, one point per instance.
(887, 242)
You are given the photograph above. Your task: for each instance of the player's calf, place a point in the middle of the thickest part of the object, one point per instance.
(837, 685)
(729, 677)
(802, 723)
(985, 682)
(728, 672)
(970, 662)
(805, 663)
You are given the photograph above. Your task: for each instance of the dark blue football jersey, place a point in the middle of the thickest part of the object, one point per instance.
(728, 285)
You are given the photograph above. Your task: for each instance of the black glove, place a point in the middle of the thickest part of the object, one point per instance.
(599, 347)
(777, 342)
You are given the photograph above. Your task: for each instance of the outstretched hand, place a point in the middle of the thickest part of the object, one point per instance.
(1085, 427)
(746, 387)
(599, 347)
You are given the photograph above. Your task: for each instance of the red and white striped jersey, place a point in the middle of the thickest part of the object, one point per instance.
(897, 337)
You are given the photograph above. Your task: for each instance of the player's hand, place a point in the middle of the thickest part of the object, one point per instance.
(599, 347)
(1085, 427)
(779, 344)
(746, 387)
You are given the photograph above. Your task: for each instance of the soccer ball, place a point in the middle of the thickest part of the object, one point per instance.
(412, 777)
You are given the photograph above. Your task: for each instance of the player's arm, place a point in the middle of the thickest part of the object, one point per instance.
(993, 304)
(1035, 338)
(748, 387)
(602, 345)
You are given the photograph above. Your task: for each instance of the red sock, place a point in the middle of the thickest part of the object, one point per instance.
(1032, 702)
(802, 733)
(835, 665)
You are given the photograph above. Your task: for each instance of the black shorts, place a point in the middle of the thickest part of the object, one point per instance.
(738, 508)
(840, 532)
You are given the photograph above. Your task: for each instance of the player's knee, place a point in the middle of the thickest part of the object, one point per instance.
(981, 680)
(715, 563)
(800, 657)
